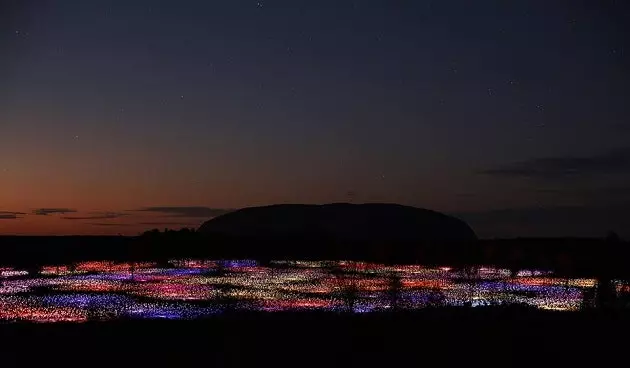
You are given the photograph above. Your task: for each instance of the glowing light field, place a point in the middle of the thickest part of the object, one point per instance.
(198, 288)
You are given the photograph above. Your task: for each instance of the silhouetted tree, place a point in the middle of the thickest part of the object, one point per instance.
(34, 269)
(393, 290)
(589, 299)
(350, 294)
(151, 233)
(220, 270)
(72, 267)
(225, 298)
(605, 293)
(435, 298)
(347, 289)
(334, 269)
(612, 237)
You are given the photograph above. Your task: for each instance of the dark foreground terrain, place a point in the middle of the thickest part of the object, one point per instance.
(573, 257)
(441, 337)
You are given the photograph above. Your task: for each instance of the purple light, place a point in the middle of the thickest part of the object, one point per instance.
(238, 263)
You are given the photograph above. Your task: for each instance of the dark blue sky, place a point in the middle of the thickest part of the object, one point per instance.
(458, 106)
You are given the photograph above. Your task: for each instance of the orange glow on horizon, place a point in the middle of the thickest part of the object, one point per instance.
(130, 224)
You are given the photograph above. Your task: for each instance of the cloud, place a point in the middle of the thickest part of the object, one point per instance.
(589, 194)
(10, 215)
(50, 211)
(166, 224)
(97, 216)
(107, 224)
(193, 211)
(612, 162)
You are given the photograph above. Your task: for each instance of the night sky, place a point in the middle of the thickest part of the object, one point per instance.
(121, 116)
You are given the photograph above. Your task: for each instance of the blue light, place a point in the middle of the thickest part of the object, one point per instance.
(103, 301)
(238, 263)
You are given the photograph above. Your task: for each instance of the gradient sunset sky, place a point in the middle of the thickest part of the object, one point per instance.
(121, 116)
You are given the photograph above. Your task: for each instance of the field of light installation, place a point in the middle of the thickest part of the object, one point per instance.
(198, 288)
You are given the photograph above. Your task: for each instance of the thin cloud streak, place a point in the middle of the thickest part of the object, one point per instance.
(167, 224)
(11, 215)
(107, 224)
(186, 211)
(97, 216)
(52, 211)
(8, 216)
(613, 162)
